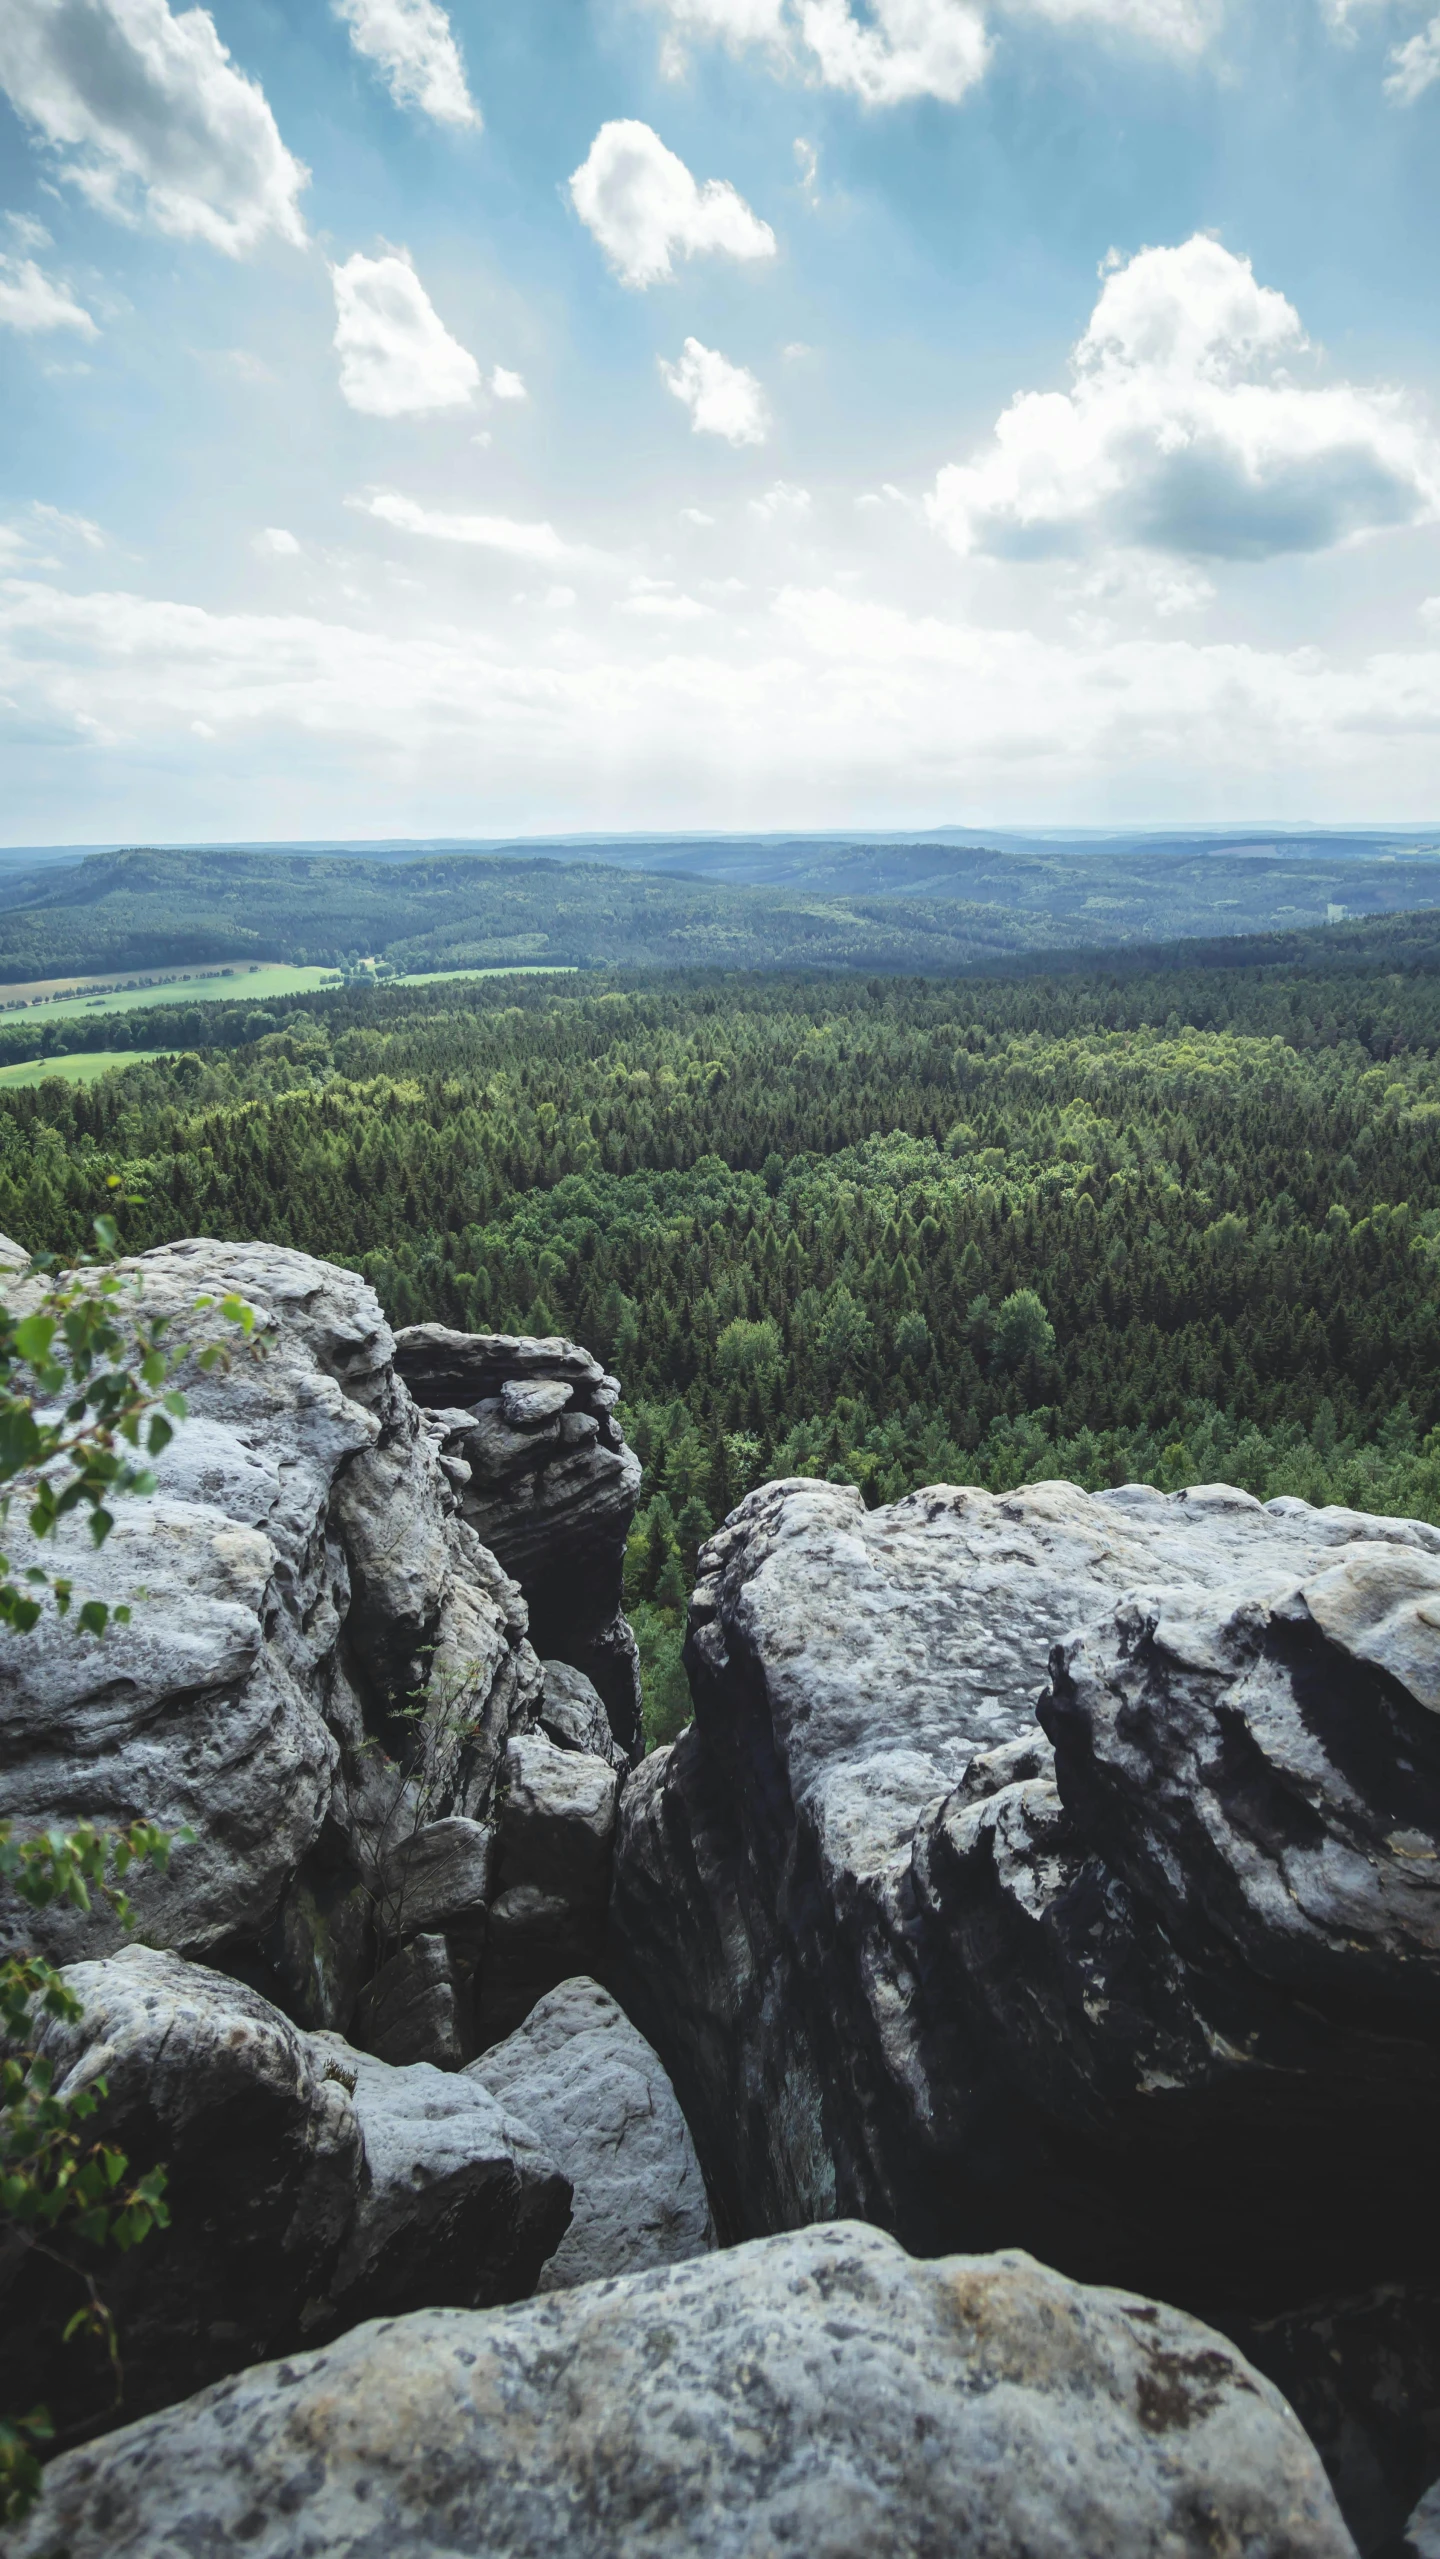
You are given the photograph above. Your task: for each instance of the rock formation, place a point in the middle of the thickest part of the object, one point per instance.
(548, 1485)
(579, 2074)
(326, 1669)
(309, 2185)
(819, 2392)
(1152, 1990)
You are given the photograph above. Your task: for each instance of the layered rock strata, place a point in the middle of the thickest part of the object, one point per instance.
(547, 1483)
(1151, 1986)
(818, 2392)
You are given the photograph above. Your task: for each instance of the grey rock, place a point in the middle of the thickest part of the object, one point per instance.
(579, 2072)
(1422, 2532)
(1048, 2010)
(308, 1584)
(573, 1717)
(555, 1826)
(818, 2391)
(437, 1877)
(527, 1401)
(289, 2161)
(457, 2201)
(552, 1488)
(554, 1840)
(409, 2012)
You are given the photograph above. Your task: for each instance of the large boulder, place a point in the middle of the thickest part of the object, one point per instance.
(819, 2392)
(1152, 1986)
(324, 1657)
(547, 1483)
(309, 2186)
(587, 2082)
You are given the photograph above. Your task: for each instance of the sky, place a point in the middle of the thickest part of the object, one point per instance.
(550, 415)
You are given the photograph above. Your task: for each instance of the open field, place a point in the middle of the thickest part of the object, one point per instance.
(264, 982)
(85, 1067)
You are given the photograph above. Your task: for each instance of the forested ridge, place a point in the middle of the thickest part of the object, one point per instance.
(883, 907)
(1176, 1227)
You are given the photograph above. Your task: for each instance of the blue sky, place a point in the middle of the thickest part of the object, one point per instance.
(709, 413)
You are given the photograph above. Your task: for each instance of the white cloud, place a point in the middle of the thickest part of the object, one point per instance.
(1184, 433)
(695, 515)
(506, 385)
(397, 358)
(1416, 65)
(886, 52)
(722, 398)
(274, 543)
(645, 208)
(31, 301)
(149, 116)
(825, 706)
(414, 44)
(782, 498)
(906, 49)
(486, 532)
(1430, 613)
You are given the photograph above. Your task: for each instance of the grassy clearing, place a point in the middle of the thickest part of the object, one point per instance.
(84, 1067)
(243, 984)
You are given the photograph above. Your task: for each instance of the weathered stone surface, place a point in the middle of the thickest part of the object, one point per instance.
(555, 1826)
(458, 2201)
(308, 2184)
(572, 1715)
(409, 2011)
(551, 1491)
(438, 1877)
(818, 2392)
(308, 1583)
(1167, 2015)
(599, 2099)
(555, 1834)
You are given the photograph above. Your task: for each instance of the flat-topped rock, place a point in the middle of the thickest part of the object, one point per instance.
(1061, 1870)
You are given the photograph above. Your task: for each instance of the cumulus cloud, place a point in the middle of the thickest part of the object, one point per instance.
(1184, 433)
(485, 532)
(886, 52)
(31, 301)
(906, 49)
(506, 385)
(274, 543)
(397, 358)
(722, 398)
(645, 208)
(148, 115)
(1415, 67)
(413, 43)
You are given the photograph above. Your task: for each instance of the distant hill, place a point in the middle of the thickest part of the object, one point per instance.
(922, 908)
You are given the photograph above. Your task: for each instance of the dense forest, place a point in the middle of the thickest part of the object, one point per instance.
(843, 908)
(1177, 1225)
